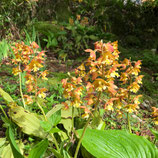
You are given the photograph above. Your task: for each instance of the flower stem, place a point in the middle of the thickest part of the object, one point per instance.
(4, 112)
(44, 115)
(55, 142)
(86, 125)
(128, 120)
(80, 140)
(72, 119)
(36, 86)
(128, 101)
(20, 82)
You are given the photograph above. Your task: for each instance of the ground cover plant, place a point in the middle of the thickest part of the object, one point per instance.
(76, 124)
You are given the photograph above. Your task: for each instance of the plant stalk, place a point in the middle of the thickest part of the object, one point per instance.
(86, 125)
(128, 120)
(20, 82)
(36, 87)
(44, 115)
(128, 116)
(4, 112)
(80, 140)
(72, 119)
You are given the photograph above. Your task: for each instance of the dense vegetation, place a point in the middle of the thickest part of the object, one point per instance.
(79, 78)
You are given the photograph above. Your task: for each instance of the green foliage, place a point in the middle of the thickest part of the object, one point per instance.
(4, 49)
(31, 36)
(69, 41)
(53, 120)
(46, 28)
(58, 126)
(155, 133)
(39, 149)
(14, 15)
(6, 96)
(14, 146)
(115, 143)
(28, 122)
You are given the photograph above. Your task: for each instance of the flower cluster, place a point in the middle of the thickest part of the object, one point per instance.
(155, 115)
(29, 60)
(82, 20)
(103, 73)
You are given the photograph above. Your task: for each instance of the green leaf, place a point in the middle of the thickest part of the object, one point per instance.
(101, 125)
(92, 37)
(54, 42)
(6, 96)
(14, 146)
(117, 144)
(6, 152)
(28, 122)
(67, 113)
(67, 123)
(155, 133)
(54, 130)
(55, 118)
(63, 136)
(66, 154)
(2, 141)
(96, 120)
(46, 126)
(39, 149)
(54, 110)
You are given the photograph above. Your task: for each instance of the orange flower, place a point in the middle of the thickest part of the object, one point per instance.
(134, 87)
(64, 82)
(44, 73)
(28, 99)
(16, 71)
(155, 115)
(41, 93)
(34, 45)
(71, 21)
(78, 17)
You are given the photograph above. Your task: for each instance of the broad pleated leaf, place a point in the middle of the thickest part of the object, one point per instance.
(117, 144)
(29, 122)
(6, 152)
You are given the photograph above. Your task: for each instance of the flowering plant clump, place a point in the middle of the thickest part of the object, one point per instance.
(101, 82)
(103, 73)
(28, 60)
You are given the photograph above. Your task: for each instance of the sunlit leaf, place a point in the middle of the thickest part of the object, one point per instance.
(46, 126)
(28, 122)
(117, 144)
(54, 130)
(6, 96)
(55, 118)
